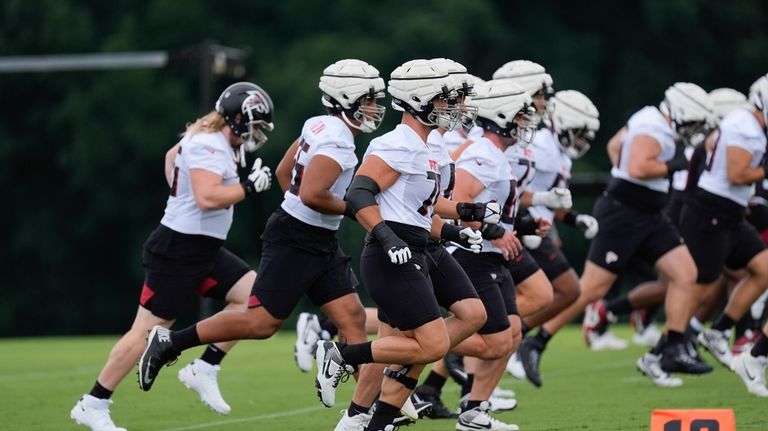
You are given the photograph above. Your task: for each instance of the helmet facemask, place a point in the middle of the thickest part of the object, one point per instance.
(467, 113)
(367, 116)
(523, 127)
(576, 142)
(255, 136)
(687, 131)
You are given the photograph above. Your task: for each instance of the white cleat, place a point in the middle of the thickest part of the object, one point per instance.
(515, 367)
(331, 370)
(479, 419)
(307, 334)
(650, 365)
(716, 342)
(502, 404)
(752, 371)
(353, 423)
(409, 410)
(649, 337)
(94, 413)
(200, 376)
(606, 341)
(499, 392)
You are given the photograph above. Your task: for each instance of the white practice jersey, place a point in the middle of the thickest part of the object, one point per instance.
(648, 121)
(210, 152)
(327, 136)
(487, 164)
(410, 199)
(455, 138)
(522, 162)
(738, 129)
(680, 178)
(553, 169)
(446, 167)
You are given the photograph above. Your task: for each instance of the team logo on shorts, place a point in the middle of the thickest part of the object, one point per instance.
(611, 257)
(493, 275)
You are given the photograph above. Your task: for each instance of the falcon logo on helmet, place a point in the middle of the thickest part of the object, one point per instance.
(350, 88)
(575, 120)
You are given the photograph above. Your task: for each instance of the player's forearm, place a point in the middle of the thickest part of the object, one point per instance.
(324, 201)
(219, 196)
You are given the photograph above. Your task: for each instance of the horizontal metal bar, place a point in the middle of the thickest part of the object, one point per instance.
(100, 61)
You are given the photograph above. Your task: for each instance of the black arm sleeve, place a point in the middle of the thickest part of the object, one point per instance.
(526, 225)
(361, 194)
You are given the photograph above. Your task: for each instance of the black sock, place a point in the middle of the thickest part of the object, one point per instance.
(746, 322)
(100, 392)
(356, 409)
(213, 355)
(327, 325)
(471, 404)
(525, 329)
(384, 415)
(356, 354)
(619, 306)
(185, 338)
(467, 386)
(674, 337)
(435, 380)
(761, 346)
(659, 347)
(543, 337)
(724, 323)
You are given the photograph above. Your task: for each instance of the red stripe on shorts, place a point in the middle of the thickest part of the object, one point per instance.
(146, 295)
(207, 284)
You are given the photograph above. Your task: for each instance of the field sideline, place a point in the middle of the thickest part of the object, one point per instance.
(41, 378)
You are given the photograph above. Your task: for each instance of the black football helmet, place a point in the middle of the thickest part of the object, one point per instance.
(248, 110)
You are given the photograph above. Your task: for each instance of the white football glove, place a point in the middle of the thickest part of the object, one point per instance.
(492, 213)
(473, 237)
(558, 197)
(588, 224)
(399, 255)
(260, 176)
(531, 242)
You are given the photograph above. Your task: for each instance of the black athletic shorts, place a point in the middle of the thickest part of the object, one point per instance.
(297, 259)
(449, 280)
(494, 286)
(403, 293)
(675, 205)
(179, 266)
(522, 266)
(626, 231)
(551, 259)
(717, 235)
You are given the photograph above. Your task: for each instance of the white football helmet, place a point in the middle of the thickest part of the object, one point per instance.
(689, 107)
(464, 86)
(758, 95)
(527, 74)
(345, 84)
(725, 100)
(505, 109)
(575, 120)
(416, 85)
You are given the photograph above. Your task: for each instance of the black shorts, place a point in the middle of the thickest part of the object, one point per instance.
(299, 259)
(675, 205)
(715, 241)
(179, 266)
(522, 266)
(551, 259)
(449, 280)
(626, 232)
(403, 293)
(494, 286)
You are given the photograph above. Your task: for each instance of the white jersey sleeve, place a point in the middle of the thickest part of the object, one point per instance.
(649, 121)
(553, 169)
(213, 153)
(330, 137)
(738, 129)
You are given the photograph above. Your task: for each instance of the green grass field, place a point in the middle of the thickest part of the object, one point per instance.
(41, 378)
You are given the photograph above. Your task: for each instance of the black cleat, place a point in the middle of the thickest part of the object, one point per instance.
(455, 365)
(431, 395)
(676, 358)
(529, 354)
(159, 352)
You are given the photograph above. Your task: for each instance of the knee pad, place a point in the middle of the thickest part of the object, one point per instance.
(401, 377)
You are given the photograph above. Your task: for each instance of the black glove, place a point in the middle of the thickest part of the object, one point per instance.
(396, 248)
(677, 163)
(526, 225)
(493, 231)
(349, 213)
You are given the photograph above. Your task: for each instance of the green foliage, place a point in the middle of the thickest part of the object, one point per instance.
(81, 152)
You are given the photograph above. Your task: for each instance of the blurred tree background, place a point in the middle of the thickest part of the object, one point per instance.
(81, 153)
